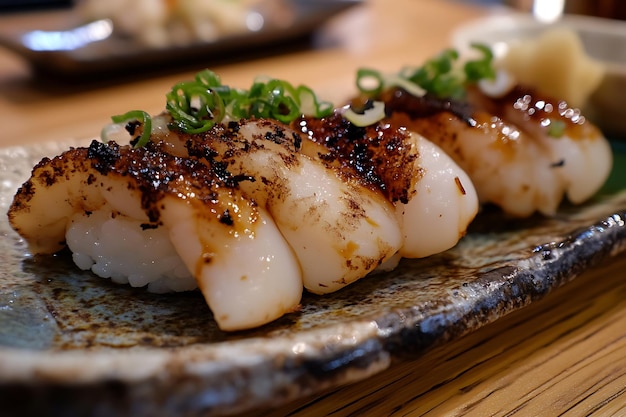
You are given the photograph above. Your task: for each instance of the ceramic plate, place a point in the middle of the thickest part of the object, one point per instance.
(74, 344)
(97, 48)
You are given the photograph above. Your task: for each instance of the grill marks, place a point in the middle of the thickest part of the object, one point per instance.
(380, 155)
(155, 174)
(149, 172)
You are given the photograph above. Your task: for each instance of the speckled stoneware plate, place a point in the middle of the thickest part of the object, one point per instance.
(75, 344)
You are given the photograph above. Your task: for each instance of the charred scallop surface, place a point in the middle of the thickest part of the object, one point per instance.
(155, 174)
(379, 169)
(149, 172)
(380, 154)
(398, 100)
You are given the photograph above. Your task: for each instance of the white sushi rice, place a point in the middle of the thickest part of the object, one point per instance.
(117, 247)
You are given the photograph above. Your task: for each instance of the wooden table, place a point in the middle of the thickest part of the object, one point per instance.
(564, 355)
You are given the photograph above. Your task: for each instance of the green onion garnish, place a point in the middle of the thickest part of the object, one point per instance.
(365, 76)
(368, 116)
(437, 76)
(141, 117)
(481, 68)
(556, 129)
(444, 75)
(196, 106)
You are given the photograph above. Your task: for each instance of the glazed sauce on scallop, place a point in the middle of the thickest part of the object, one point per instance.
(535, 113)
(521, 110)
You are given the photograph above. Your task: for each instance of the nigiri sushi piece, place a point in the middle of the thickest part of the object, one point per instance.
(400, 195)
(323, 212)
(435, 202)
(98, 199)
(524, 152)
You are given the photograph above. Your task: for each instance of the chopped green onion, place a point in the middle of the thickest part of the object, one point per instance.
(324, 108)
(411, 88)
(138, 116)
(482, 68)
(441, 64)
(365, 76)
(497, 86)
(437, 75)
(368, 117)
(556, 129)
(208, 78)
(196, 106)
(443, 75)
(308, 101)
(284, 109)
(310, 106)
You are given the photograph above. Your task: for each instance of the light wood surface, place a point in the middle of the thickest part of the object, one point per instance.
(564, 355)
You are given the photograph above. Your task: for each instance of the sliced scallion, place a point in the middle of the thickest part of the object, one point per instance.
(196, 106)
(141, 117)
(556, 129)
(443, 76)
(371, 115)
(482, 68)
(369, 81)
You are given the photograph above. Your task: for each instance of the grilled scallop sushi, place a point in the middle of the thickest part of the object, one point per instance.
(145, 217)
(252, 211)
(525, 152)
(240, 213)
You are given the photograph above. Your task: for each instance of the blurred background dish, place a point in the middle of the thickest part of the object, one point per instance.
(603, 39)
(95, 37)
(22, 5)
(167, 23)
